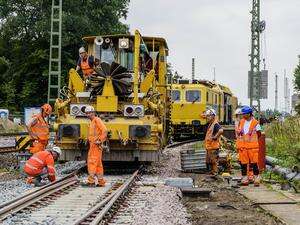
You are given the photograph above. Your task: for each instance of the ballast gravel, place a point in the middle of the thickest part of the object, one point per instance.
(12, 188)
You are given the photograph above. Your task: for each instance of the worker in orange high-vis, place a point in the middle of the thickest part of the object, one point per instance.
(212, 141)
(41, 165)
(97, 135)
(248, 133)
(85, 63)
(38, 129)
(239, 142)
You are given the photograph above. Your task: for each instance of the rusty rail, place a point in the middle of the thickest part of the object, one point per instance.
(96, 214)
(35, 196)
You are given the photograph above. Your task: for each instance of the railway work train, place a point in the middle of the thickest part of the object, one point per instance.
(128, 91)
(191, 98)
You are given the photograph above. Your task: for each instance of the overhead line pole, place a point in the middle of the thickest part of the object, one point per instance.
(255, 74)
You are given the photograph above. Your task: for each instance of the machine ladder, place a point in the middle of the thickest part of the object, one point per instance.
(54, 80)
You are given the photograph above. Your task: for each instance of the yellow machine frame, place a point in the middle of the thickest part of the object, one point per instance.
(150, 92)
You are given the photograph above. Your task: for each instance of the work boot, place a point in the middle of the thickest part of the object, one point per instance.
(29, 180)
(38, 183)
(251, 179)
(245, 181)
(256, 181)
(90, 182)
(101, 182)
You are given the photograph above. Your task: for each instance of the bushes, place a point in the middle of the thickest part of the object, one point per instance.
(285, 144)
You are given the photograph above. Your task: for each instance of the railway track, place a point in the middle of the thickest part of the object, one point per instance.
(176, 144)
(67, 202)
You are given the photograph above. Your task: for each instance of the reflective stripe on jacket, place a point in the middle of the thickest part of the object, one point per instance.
(35, 165)
(40, 128)
(85, 67)
(97, 130)
(249, 140)
(239, 138)
(209, 143)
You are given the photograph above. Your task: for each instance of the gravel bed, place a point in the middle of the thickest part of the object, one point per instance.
(152, 203)
(12, 189)
(8, 161)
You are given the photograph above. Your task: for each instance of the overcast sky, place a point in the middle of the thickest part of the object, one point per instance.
(217, 34)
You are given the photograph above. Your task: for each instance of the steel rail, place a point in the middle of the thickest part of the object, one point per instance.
(176, 144)
(13, 134)
(34, 196)
(102, 208)
(8, 149)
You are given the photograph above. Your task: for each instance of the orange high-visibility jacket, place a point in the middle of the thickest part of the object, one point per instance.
(211, 144)
(97, 130)
(35, 165)
(239, 137)
(85, 67)
(249, 140)
(40, 128)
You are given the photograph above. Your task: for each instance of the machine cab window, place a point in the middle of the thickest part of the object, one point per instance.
(175, 95)
(193, 96)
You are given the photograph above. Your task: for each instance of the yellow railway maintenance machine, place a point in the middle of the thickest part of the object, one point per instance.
(129, 93)
(190, 99)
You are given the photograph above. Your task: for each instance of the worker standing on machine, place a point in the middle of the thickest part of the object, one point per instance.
(96, 136)
(38, 129)
(41, 165)
(86, 63)
(212, 141)
(249, 132)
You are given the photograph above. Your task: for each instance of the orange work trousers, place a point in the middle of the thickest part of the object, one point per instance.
(38, 145)
(212, 157)
(247, 156)
(94, 160)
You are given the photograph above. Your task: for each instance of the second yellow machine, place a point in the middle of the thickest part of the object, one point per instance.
(128, 91)
(191, 98)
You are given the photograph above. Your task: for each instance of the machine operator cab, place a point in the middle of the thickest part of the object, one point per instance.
(132, 65)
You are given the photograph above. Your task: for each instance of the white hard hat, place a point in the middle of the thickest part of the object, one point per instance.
(238, 111)
(210, 112)
(89, 108)
(56, 149)
(81, 50)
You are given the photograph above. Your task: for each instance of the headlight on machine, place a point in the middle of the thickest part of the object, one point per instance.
(78, 109)
(138, 110)
(75, 110)
(134, 110)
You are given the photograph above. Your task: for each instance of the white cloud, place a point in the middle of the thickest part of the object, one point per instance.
(217, 33)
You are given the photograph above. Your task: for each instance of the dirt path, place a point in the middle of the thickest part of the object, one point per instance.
(207, 211)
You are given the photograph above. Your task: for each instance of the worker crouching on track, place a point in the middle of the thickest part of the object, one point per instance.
(248, 134)
(38, 129)
(41, 165)
(212, 141)
(97, 135)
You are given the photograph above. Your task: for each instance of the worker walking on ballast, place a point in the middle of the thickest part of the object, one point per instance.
(41, 165)
(212, 141)
(248, 134)
(96, 136)
(38, 129)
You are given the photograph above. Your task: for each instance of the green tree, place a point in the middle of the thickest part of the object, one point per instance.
(297, 84)
(24, 42)
(297, 77)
